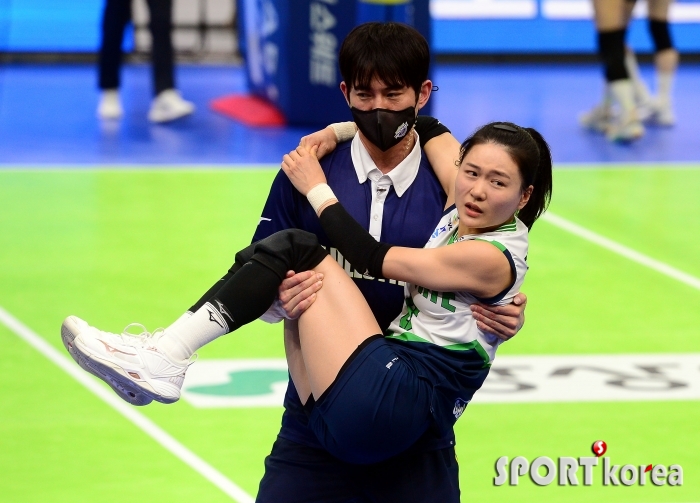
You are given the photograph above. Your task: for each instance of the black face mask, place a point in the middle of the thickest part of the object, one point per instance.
(384, 128)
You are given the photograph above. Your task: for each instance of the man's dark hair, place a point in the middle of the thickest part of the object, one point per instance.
(395, 53)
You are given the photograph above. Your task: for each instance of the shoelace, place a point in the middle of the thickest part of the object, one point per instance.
(147, 339)
(144, 338)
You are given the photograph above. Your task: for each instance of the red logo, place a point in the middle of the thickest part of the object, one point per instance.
(599, 447)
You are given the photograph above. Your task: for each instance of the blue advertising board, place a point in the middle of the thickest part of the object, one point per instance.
(291, 50)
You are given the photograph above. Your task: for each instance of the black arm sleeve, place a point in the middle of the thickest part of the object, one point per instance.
(356, 244)
(428, 128)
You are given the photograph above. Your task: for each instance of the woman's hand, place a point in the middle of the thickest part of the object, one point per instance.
(325, 140)
(302, 168)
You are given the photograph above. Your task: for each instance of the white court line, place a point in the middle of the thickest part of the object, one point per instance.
(629, 253)
(149, 427)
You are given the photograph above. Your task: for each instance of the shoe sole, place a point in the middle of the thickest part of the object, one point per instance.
(625, 138)
(629, 133)
(159, 118)
(115, 375)
(128, 392)
(655, 120)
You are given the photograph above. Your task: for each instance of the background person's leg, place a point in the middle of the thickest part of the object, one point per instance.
(611, 20)
(167, 105)
(642, 96)
(162, 55)
(666, 59)
(117, 13)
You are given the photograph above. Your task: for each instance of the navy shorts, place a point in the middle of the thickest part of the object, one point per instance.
(296, 473)
(377, 407)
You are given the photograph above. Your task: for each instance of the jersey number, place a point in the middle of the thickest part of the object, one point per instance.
(412, 310)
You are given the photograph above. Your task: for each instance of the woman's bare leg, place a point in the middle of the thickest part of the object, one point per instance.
(295, 360)
(610, 14)
(333, 327)
(665, 60)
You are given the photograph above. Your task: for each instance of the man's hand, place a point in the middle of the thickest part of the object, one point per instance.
(502, 321)
(324, 140)
(298, 291)
(303, 170)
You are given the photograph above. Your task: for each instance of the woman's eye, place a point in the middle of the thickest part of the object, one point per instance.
(499, 183)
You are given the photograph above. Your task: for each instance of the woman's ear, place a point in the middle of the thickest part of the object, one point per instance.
(525, 197)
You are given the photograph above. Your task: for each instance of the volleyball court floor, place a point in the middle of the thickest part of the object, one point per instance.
(130, 222)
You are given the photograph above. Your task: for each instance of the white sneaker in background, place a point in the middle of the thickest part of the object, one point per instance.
(626, 126)
(168, 106)
(625, 129)
(645, 111)
(598, 118)
(131, 364)
(661, 114)
(110, 106)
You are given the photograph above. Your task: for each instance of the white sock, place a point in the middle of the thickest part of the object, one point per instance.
(664, 86)
(187, 335)
(183, 317)
(607, 97)
(623, 93)
(640, 88)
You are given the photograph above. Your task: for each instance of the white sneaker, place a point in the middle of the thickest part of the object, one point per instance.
(645, 110)
(70, 328)
(110, 106)
(661, 114)
(625, 129)
(168, 106)
(597, 119)
(626, 126)
(129, 363)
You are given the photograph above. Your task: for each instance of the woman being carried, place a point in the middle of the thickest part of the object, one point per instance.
(369, 396)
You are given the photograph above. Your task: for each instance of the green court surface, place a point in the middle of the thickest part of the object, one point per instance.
(115, 246)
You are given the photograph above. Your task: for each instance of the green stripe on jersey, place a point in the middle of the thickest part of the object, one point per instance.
(494, 243)
(410, 337)
(508, 226)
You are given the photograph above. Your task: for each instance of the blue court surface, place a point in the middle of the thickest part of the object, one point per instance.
(47, 116)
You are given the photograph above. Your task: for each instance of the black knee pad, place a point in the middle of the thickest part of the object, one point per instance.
(611, 47)
(661, 35)
(289, 249)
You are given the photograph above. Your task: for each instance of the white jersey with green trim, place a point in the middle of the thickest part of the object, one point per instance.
(444, 318)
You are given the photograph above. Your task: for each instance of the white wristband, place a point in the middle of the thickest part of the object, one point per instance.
(344, 131)
(319, 195)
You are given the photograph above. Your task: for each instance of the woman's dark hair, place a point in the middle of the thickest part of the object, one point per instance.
(395, 53)
(530, 152)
